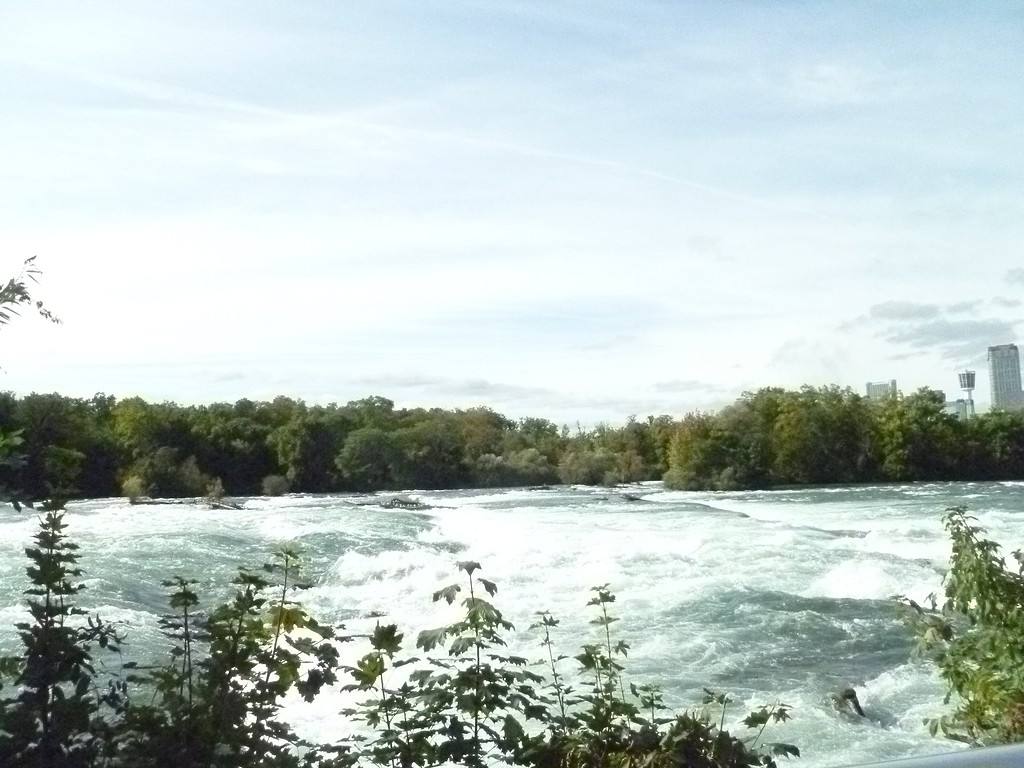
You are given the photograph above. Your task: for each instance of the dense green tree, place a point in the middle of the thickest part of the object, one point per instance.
(832, 435)
(91, 447)
(429, 454)
(993, 446)
(536, 433)
(55, 430)
(277, 412)
(372, 411)
(141, 428)
(918, 439)
(164, 474)
(525, 467)
(364, 462)
(483, 432)
(821, 436)
(232, 445)
(701, 455)
(634, 448)
(745, 440)
(585, 465)
(306, 449)
(660, 430)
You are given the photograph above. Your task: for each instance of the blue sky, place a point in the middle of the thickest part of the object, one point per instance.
(580, 210)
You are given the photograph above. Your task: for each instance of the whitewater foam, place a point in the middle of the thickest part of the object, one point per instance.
(765, 594)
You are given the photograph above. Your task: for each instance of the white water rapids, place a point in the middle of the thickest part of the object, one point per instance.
(766, 595)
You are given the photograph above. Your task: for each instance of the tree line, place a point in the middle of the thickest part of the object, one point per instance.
(830, 435)
(102, 446)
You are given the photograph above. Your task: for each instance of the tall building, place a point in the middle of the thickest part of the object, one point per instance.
(880, 390)
(1004, 377)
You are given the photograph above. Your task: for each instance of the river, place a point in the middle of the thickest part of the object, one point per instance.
(766, 595)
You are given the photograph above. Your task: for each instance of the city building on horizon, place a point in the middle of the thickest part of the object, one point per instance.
(965, 406)
(1004, 377)
(962, 408)
(881, 390)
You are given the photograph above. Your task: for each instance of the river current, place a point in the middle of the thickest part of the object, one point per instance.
(766, 595)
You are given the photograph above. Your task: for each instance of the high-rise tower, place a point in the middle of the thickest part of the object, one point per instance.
(967, 380)
(1004, 377)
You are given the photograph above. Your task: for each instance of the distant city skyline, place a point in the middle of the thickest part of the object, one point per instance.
(1004, 377)
(1004, 373)
(880, 390)
(573, 210)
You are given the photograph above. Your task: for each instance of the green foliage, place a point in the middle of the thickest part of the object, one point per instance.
(918, 440)
(588, 466)
(165, 476)
(49, 721)
(76, 447)
(15, 293)
(976, 637)
(429, 454)
(366, 458)
(92, 447)
(66, 447)
(830, 435)
(215, 702)
(11, 460)
(527, 466)
(702, 456)
(468, 702)
(231, 443)
(306, 448)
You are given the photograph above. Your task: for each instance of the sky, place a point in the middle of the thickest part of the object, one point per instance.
(576, 210)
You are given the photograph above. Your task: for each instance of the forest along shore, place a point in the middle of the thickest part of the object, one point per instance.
(101, 447)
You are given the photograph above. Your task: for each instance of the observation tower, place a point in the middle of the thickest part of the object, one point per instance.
(967, 381)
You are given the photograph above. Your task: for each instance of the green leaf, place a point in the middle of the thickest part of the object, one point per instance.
(756, 719)
(429, 639)
(386, 639)
(783, 750)
(512, 729)
(368, 670)
(448, 594)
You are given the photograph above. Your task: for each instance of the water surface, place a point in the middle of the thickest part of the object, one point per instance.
(777, 594)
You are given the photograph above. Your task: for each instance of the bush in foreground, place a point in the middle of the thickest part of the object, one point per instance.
(976, 637)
